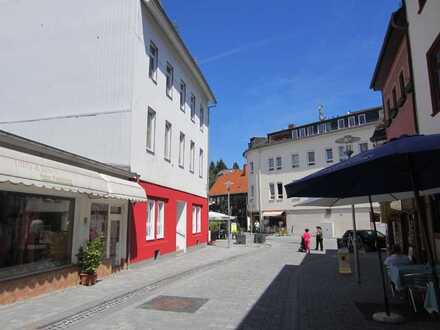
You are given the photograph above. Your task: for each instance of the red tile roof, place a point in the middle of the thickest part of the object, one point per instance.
(237, 177)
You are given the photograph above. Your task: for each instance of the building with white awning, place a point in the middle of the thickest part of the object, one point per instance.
(51, 203)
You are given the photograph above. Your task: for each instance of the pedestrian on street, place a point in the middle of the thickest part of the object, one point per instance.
(319, 239)
(307, 238)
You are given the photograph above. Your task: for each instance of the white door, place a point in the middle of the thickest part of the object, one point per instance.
(181, 226)
(114, 237)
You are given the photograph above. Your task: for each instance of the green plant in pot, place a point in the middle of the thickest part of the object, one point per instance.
(89, 258)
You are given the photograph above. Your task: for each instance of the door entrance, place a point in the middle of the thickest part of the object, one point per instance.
(115, 235)
(181, 226)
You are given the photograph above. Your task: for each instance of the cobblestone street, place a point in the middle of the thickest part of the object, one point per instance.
(255, 287)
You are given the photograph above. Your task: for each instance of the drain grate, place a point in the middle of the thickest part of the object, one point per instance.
(175, 304)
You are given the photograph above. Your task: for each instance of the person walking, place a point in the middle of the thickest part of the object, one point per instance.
(307, 238)
(319, 239)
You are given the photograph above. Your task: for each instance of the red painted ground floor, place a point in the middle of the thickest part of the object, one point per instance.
(171, 220)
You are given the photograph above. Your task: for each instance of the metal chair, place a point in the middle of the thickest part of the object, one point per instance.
(416, 281)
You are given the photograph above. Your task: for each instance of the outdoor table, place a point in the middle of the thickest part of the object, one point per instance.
(396, 273)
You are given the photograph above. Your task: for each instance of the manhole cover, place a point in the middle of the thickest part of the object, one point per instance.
(175, 304)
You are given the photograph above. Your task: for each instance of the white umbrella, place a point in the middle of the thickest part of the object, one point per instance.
(217, 216)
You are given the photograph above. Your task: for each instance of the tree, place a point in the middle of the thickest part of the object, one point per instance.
(220, 166)
(235, 166)
(215, 169)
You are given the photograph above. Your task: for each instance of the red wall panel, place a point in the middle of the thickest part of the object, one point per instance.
(142, 249)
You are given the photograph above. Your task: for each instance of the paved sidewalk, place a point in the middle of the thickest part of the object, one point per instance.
(51, 307)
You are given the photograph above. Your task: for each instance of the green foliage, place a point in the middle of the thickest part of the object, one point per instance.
(214, 169)
(214, 225)
(235, 166)
(90, 256)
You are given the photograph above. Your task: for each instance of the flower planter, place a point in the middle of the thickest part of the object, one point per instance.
(87, 279)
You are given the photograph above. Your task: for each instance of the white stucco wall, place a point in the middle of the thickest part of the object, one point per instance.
(423, 30)
(152, 166)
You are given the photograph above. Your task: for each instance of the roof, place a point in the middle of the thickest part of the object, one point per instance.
(397, 28)
(239, 184)
(168, 27)
(18, 143)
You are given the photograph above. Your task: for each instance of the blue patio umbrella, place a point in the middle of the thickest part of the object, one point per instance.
(406, 164)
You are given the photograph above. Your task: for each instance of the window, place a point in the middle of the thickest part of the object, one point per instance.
(341, 123)
(342, 154)
(170, 80)
(280, 190)
(322, 128)
(271, 191)
(154, 61)
(362, 119)
(302, 132)
(182, 150)
(295, 160)
(351, 121)
(202, 117)
(279, 163)
(311, 158)
(160, 219)
(182, 93)
(151, 129)
(192, 156)
(310, 130)
(295, 134)
(251, 167)
(193, 107)
(363, 147)
(433, 60)
(151, 216)
(271, 164)
(252, 191)
(36, 231)
(201, 163)
(167, 149)
(402, 85)
(329, 155)
(196, 219)
(394, 97)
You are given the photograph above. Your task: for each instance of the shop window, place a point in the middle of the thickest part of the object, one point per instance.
(196, 219)
(35, 233)
(433, 59)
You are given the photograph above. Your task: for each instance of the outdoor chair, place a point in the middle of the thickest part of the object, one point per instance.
(390, 284)
(416, 283)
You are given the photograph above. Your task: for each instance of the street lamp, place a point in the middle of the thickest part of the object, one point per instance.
(228, 187)
(347, 140)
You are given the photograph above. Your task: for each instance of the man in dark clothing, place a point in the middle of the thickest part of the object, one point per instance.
(319, 238)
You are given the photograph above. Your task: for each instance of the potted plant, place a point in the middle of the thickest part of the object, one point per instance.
(89, 259)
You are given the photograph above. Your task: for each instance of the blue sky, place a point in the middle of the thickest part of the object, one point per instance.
(271, 63)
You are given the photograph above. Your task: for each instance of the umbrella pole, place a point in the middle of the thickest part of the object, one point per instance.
(422, 217)
(355, 247)
(386, 317)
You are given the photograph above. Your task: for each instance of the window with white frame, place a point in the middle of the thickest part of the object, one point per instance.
(182, 150)
(363, 147)
(280, 190)
(271, 164)
(182, 93)
(160, 220)
(251, 167)
(170, 80)
(271, 191)
(151, 129)
(192, 156)
(196, 219)
(302, 132)
(151, 216)
(193, 107)
(202, 117)
(154, 61)
(362, 119)
(279, 162)
(322, 128)
(167, 145)
(201, 157)
(342, 153)
(311, 158)
(341, 123)
(295, 134)
(295, 160)
(351, 121)
(329, 155)
(310, 130)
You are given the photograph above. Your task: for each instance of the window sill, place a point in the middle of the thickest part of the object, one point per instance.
(311, 164)
(170, 96)
(168, 160)
(181, 166)
(150, 151)
(148, 239)
(330, 161)
(182, 109)
(153, 80)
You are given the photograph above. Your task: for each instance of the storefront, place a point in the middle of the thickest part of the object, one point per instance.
(52, 203)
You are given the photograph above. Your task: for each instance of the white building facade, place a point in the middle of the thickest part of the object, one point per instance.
(424, 34)
(291, 154)
(113, 81)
